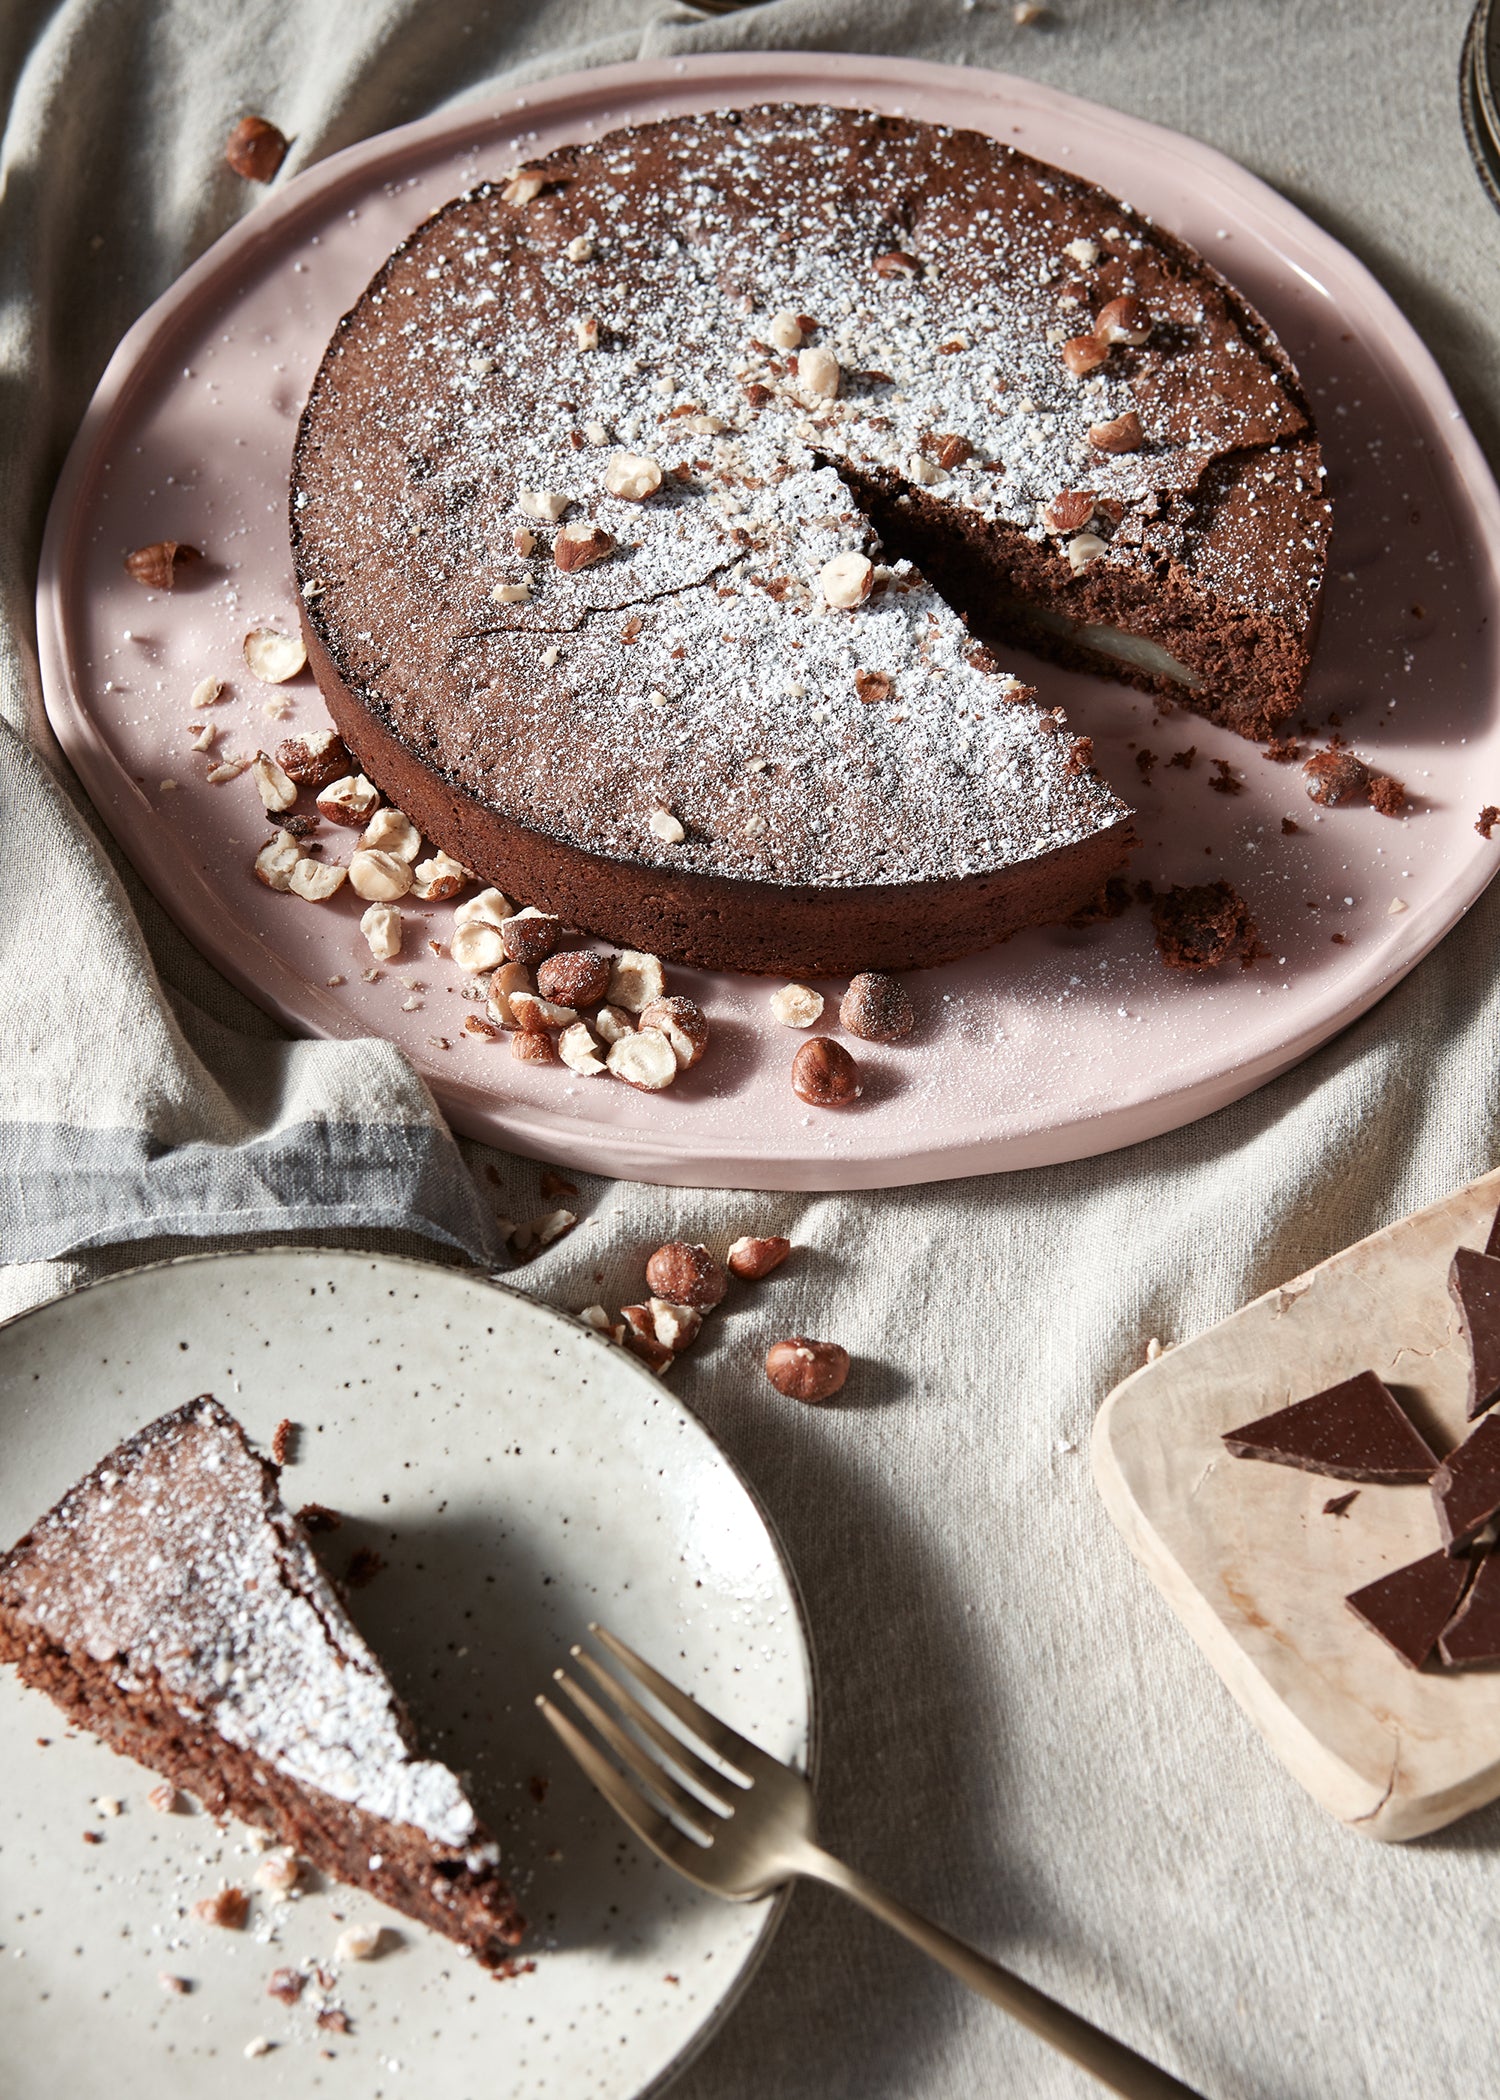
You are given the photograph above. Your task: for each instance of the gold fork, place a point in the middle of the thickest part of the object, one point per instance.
(743, 1825)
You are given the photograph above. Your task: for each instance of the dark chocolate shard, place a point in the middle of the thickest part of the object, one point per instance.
(1353, 1431)
(1474, 1285)
(1412, 1606)
(1492, 1244)
(1472, 1635)
(1338, 1505)
(1466, 1486)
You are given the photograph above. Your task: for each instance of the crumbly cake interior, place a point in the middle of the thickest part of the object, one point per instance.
(171, 1604)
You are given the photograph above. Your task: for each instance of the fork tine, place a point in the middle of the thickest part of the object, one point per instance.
(716, 1785)
(690, 1812)
(742, 1756)
(650, 1827)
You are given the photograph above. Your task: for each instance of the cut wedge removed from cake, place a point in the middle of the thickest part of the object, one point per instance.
(172, 1605)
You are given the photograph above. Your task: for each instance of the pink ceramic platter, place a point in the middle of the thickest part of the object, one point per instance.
(1061, 1044)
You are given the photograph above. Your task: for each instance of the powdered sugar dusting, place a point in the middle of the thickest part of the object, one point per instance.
(174, 1562)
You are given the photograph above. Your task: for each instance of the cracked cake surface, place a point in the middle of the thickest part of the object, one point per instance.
(820, 333)
(171, 1604)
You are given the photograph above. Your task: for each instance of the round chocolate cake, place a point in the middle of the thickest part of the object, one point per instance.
(658, 511)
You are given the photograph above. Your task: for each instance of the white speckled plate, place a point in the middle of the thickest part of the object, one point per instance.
(518, 1476)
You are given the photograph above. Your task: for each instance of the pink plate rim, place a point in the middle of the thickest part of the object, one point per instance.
(662, 86)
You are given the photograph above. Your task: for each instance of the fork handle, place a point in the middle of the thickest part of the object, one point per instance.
(1110, 2061)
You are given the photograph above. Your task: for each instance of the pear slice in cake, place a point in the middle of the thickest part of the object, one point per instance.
(172, 1605)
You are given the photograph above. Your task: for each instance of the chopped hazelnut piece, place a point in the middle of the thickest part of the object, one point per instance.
(533, 1046)
(580, 248)
(664, 826)
(807, 1370)
(227, 1907)
(538, 1016)
(1084, 353)
(315, 759)
(611, 1022)
(381, 926)
(435, 880)
(205, 693)
(596, 1317)
(316, 880)
(819, 372)
(644, 1060)
(635, 981)
(1120, 434)
(1070, 510)
(545, 505)
(1084, 252)
(1083, 551)
(156, 566)
(476, 946)
(510, 978)
(279, 1872)
(256, 148)
(388, 831)
(923, 471)
(896, 263)
(275, 790)
(580, 546)
(847, 580)
(493, 906)
(676, 1327)
(632, 475)
(586, 335)
(358, 1942)
(796, 1005)
(512, 593)
(273, 658)
(523, 187)
(640, 1338)
(752, 1259)
(580, 1050)
(1123, 321)
(683, 1023)
(785, 331)
(524, 541)
(877, 1008)
(276, 860)
(352, 801)
(378, 876)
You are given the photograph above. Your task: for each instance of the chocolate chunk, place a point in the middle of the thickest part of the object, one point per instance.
(1466, 1486)
(1474, 1285)
(1338, 1505)
(1472, 1635)
(1492, 1244)
(1411, 1606)
(1354, 1431)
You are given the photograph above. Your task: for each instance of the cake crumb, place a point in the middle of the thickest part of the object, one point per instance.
(1489, 817)
(364, 1565)
(227, 1907)
(284, 1440)
(317, 1516)
(1201, 925)
(174, 1986)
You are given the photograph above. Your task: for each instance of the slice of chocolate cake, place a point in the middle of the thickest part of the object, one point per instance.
(170, 1604)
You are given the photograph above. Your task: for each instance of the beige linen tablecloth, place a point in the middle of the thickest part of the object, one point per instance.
(1018, 1736)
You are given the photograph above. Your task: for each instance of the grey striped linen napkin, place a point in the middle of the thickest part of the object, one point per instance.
(131, 1115)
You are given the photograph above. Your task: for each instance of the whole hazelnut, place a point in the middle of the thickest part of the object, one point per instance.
(1123, 320)
(1336, 776)
(807, 1370)
(531, 936)
(685, 1275)
(824, 1074)
(752, 1259)
(578, 977)
(877, 1008)
(256, 149)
